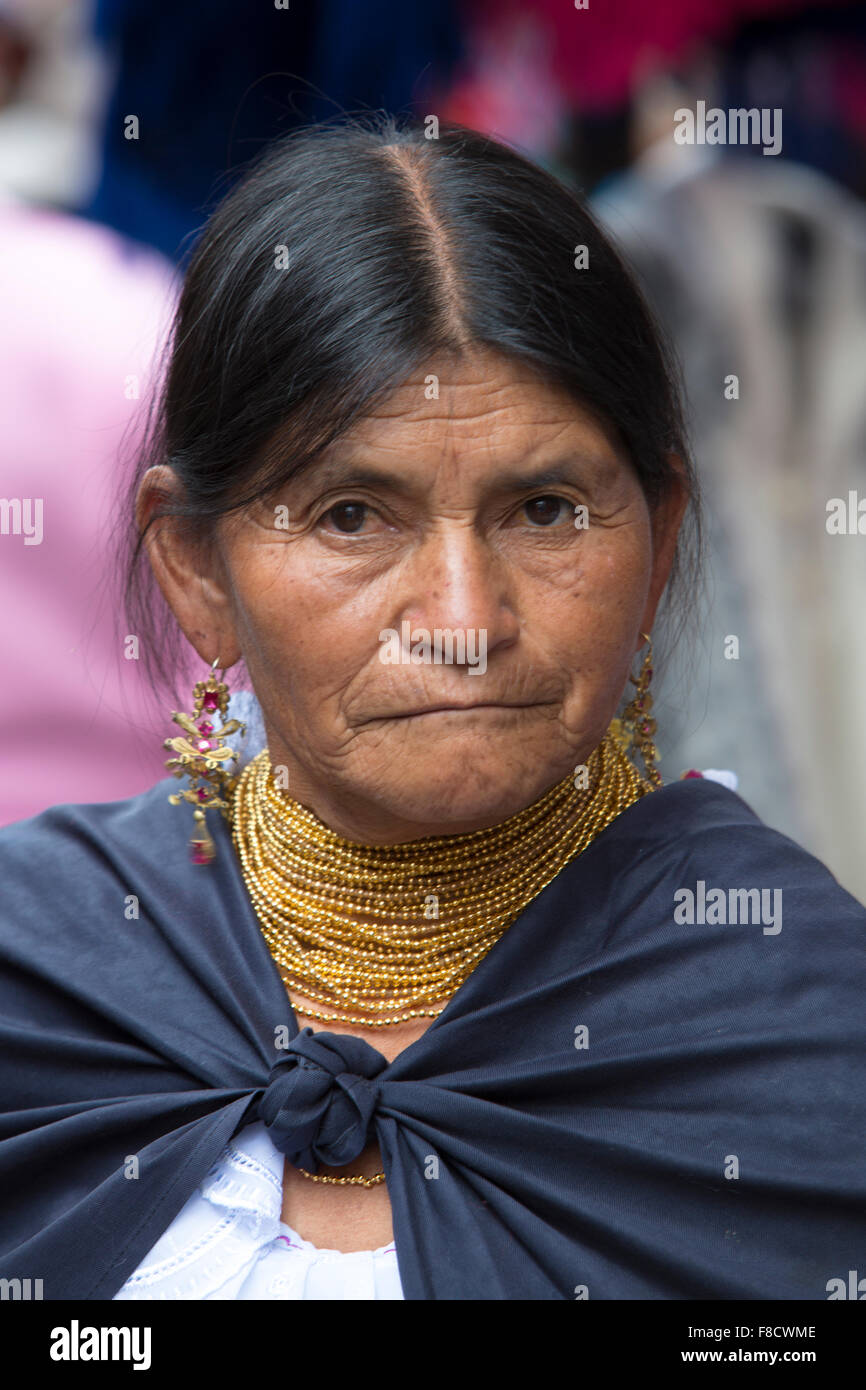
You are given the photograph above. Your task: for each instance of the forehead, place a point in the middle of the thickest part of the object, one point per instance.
(477, 399)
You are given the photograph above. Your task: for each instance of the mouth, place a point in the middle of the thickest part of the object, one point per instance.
(463, 708)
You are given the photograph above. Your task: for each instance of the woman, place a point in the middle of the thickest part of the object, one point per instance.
(452, 998)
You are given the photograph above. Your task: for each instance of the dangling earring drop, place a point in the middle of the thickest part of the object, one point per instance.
(637, 725)
(202, 756)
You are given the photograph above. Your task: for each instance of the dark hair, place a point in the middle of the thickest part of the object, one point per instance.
(399, 247)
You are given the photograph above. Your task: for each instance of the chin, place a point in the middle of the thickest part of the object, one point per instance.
(465, 786)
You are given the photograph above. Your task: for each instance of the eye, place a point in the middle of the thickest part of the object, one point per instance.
(348, 517)
(544, 511)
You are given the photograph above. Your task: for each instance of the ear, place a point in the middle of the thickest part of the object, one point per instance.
(188, 570)
(666, 520)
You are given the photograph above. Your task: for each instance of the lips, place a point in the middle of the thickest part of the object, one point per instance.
(450, 708)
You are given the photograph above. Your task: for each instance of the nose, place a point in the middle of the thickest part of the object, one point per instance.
(460, 583)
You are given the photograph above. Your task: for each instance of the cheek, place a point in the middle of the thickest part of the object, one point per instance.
(300, 640)
(619, 581)
(595, 624)
(604, 595)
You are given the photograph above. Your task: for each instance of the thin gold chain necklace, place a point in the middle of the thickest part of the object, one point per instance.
(390, 928)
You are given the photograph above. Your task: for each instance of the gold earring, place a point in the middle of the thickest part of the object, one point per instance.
(202, 756)
(637, 726)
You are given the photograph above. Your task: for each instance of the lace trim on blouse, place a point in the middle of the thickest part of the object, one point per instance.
(229, 1242)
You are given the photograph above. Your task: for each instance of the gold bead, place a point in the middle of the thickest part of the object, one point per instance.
(345, 922)
(355, 1180)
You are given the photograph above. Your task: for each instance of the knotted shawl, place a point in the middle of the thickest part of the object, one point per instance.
(617, 1104)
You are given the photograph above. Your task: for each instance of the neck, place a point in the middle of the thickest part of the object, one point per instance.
(363, 931)
(364, 820)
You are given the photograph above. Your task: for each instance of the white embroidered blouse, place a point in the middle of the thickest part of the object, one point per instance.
(228, 1242)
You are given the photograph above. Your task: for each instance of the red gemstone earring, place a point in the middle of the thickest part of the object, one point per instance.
(203, 757)
(637, 725)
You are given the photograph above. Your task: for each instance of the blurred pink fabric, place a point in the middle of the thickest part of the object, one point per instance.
(82, 314)
(598, 52)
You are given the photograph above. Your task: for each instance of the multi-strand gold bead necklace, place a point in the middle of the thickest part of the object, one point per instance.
(378, 935)
(389, 932)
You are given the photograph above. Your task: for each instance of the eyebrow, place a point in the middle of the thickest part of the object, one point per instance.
(519, 479)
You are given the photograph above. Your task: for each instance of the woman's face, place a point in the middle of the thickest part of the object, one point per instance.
(453, 513)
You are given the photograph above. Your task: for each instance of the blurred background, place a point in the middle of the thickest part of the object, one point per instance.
(122, 122)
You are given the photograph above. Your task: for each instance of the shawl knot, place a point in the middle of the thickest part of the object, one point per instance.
(320, 1098)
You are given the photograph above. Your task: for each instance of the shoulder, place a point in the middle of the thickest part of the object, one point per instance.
(701, 824)
(700, 882)
(108, 931)
(78, 868)
(79, 844)
(692, 925)
(692, 867)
